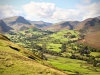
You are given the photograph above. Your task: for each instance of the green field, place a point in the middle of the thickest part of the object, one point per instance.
(95, 53)
(73, 66)
(54, 47)
(52, 40)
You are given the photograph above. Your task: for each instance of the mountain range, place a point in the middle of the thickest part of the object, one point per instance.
(25, 62)
(20, 23)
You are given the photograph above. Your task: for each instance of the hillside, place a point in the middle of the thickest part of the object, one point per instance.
(15, 60)
(18, 23)
(92, 40)
(62, 25)
(91, 29)
(89, 25)
(4, 27)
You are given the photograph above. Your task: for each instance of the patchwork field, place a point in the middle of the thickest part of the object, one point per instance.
(73, 66)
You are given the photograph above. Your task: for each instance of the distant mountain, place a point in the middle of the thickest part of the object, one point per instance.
(16, 20)
(89, 25)
(91, 29)
(63, 25)
(4, 27)
(17, 23)
(40, 24)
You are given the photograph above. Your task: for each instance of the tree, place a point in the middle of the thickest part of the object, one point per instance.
(73, 56)
(95, 63)
(72, 36)
(85, 50)
(63, 47)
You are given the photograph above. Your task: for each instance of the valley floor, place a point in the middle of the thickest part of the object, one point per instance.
(73, 66)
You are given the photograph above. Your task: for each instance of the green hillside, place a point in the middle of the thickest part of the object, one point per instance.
(15, 60)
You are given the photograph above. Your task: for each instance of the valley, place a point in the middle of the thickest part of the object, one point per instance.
(73, 66)
(68, 47)
(61, 49)
(49, 37)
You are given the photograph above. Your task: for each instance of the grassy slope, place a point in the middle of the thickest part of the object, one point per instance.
(15, 60)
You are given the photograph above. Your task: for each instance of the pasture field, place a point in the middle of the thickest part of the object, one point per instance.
(73, 66)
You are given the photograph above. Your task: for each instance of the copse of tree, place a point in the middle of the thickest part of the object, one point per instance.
(72, 36)
(35, 46)
(73, 56)
(85, 50)
(63, 47)
(40, 54)
(12, 33)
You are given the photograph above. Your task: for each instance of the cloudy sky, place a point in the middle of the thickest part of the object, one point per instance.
(50, 10)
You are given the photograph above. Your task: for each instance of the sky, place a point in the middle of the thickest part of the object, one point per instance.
(50, 10)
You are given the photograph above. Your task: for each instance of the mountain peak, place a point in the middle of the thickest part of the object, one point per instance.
(4, 27)
(90, 24)
(20, 19)
(92, 21)
(15, 20)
